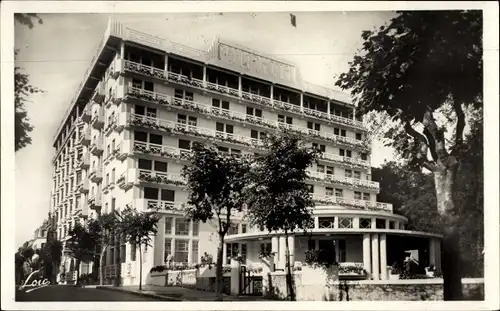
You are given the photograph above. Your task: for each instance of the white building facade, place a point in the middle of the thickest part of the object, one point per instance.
(145, 100)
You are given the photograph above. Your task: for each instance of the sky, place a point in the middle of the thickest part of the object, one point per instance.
(57, 53)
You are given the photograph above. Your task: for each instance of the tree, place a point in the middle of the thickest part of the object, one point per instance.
(102, 228)
(22, 90)
(51, 257)
(138, 229)
(279, 198)
(82, 245)
(425, 63)
(216, 185)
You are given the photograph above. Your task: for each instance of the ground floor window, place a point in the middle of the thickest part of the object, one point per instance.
(181, 251)
(194, 252)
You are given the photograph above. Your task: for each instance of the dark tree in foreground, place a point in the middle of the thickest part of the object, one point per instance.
(22, 90)
(279, 198)
(216, 184)
(138, 228)
(425, 63)
(82, 245)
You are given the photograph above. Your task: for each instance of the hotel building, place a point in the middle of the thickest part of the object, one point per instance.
(143, 102)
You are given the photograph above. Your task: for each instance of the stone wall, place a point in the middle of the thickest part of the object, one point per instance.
(396, 290)
(185, 278)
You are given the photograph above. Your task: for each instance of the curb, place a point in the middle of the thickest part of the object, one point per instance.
(154, 296)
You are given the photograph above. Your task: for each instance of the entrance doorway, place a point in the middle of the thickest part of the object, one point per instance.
(328, 246)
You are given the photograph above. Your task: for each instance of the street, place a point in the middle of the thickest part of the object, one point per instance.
(72, 293)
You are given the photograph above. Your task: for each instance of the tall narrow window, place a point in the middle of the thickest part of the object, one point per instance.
(194, 252)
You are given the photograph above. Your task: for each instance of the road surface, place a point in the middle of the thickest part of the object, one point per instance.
(72, 293)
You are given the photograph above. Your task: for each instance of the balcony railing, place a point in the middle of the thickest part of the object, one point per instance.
(111, 125)
(145, 204)
(352, 203)
(97, 146)
(96, 174)
(161, 178)
(94, 202)
(83, 186)
(98, 119)
(222, 89)
(346, 181)
(166, 100)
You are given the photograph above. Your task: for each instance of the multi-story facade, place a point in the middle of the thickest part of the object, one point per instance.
(145, 100)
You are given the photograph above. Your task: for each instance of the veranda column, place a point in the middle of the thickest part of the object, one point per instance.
(281, 257)
(274, 249)
(367, 253)
(383, 257)
(291, 246)
(240, 86)
(166, 65)
(375, 257)
(301, 102)
(432, 252)
(438, 255)
(159, 243)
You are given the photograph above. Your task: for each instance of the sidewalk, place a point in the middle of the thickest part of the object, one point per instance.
(172, 293)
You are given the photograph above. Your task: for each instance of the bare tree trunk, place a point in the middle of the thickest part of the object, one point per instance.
(289, 278)
(218, 269)
(101, 264)
(140, 266)
(450, 263)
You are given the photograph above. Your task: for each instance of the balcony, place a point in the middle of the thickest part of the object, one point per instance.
(99, 93)
(183, 104)
(98, 119)
(353, 203)
(97, 146)
(348, 161)
(83, 186)
(344, 181)
(95, 202)
(121, 122)
(85, 137)
(117, 94)
(235, 93)
(145, 176)
(191, 130)
(95, 175)
(162, 151)
(127, 179)
(123, 150)
(84, 162)
(111, 125)
(158, 205)
(87, 113)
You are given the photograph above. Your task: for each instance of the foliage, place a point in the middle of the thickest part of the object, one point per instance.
(424, 70)
(138, 229)
(22, 90)
(319, 258)
(82, 243)
(279, 198)
(216, 183)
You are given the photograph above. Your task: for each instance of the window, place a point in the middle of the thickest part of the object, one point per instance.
(357, 195)
(196, 228)
(257, 135)
(149, 86)
(321, 148)
(113, 204)
(192, 121)
(144, 164)
(181, 226)
(359, 136)
(233, 229)
(150, 193)
(254, 112)
(339, 193)
(168, 225)
(366, 196)
(365, 223)
(311, 188)
(181, 119)
(348, 173)
(113, 171)
(108, 150)
(320, 168)
(178, 93)
(140, 110)
(160, 166)
(113, 144)
(194, 252)
(243, 228)
(357, 175)
(285, 119)
(136, 83)
(221, 127)
(151, 112)
(167, 195)
(231, 251)
(184, 144)
(345, 222)
(342, 251)
(392, 225)
(313, 126)
(188, 96)
(380, 223)
(330, 170)
(141, 136)
(342, 133)
(336, 131)
(329, 192)
(220, 104)
(107, 179)
(223, 149)
(341, 152)
(181, 251)
(266, 248)
(156, 139)
(364, 156)
(168, 249)
(349, 153)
